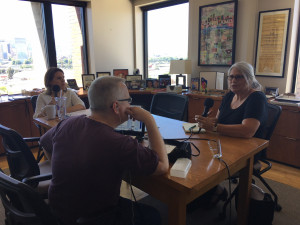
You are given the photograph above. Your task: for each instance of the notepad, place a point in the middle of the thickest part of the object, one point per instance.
(190, 127)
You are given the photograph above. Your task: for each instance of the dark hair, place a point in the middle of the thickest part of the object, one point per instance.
(49, 76)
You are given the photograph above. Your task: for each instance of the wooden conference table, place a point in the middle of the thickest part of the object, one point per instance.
(205, 173)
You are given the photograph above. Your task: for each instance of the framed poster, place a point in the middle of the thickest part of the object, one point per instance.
(102, 74)
(271, 45)
(87, 80)
(217, 31)
(120, 73)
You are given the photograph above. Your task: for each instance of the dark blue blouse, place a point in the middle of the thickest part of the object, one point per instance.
(255, 106)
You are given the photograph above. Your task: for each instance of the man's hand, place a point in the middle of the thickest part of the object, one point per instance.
(138, 113)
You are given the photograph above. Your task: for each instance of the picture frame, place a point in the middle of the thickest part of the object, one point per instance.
(164, 80)
(195, 83)
(217, 34)
(120, 73)
(274, 91)
(149, 83)
(271, 45)
(72, 84)
(87, 80)
(133, 77)
(102, 74)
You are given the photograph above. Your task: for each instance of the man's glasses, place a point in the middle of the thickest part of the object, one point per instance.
(237, 77)
(129, 100)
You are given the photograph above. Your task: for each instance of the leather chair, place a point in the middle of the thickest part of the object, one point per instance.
(40, 154)
(22, 164)
(274, 112)
(24, 206)
(170, 105)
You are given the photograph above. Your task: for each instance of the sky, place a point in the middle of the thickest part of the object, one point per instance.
(168, 36)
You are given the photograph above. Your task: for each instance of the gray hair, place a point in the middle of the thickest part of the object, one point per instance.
(103, 92)
(248, 72)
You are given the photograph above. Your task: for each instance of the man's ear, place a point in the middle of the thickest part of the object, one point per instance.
(116, 107)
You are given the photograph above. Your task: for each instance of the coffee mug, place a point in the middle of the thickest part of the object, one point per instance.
(50, 111)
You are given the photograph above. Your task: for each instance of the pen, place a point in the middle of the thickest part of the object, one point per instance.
(191, 128)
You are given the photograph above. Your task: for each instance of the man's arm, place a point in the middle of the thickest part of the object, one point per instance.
(156, 142)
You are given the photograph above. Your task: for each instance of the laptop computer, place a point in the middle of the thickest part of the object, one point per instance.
(133, 128)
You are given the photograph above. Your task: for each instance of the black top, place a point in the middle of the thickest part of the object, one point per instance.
(255, 106)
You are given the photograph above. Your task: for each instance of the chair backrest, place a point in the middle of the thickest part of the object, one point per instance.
(33, 102)
(274, 112)
(23, 205)
(20, 159)
(169, 105)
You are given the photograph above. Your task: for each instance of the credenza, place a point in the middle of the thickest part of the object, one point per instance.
(284, 145)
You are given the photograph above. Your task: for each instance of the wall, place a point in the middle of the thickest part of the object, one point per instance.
(111, 39)
(247, 23)
(117, 35)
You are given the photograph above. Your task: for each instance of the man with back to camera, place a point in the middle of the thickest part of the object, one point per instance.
(89, 157)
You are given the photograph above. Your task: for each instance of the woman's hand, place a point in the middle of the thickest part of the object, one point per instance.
(208, 123)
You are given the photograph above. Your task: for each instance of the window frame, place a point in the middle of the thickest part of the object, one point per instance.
(145, 10)
(49, 29)
(296, 63)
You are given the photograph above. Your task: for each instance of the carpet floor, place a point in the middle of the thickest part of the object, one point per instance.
(289, 199)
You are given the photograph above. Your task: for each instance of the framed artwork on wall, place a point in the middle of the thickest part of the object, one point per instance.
(87, 80)
(102, 74)
(120, 73)
(271, 44)
(217, 31)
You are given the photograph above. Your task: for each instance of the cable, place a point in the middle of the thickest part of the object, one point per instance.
(132, 203)
(229, 185)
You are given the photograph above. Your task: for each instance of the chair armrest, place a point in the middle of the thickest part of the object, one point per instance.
(269, 166)
(31, 139)
(38, 178)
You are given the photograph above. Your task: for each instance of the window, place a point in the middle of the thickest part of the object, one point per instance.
(68, 41)
(28, 45)
(165, 36)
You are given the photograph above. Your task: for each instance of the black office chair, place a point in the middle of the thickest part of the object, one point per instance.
(170, 105)
(24, 206)
(274, 112)
(40, 153)
(22, 164)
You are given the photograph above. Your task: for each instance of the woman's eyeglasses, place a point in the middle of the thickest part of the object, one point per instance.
(129, 100)
(237, 77)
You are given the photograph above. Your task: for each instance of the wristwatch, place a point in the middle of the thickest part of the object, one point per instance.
(215, 127)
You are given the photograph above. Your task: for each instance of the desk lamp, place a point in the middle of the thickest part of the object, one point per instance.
(181, 67)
